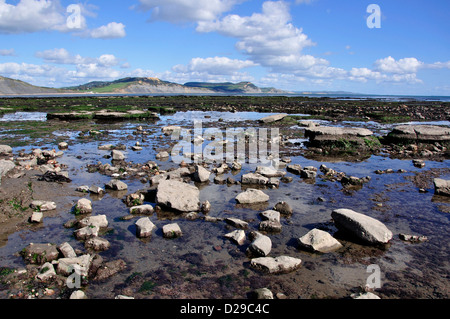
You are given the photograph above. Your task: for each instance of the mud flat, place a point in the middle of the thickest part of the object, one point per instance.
(142, 240)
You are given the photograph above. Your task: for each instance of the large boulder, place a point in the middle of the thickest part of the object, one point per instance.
(441, 186)
(363, 227)
(252, 196)
(277, 265)
(178, 196)
(269, 171)
(318, 240)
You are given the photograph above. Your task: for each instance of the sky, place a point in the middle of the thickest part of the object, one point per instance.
(399, 47)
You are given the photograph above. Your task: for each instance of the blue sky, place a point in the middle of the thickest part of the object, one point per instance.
(296, 45)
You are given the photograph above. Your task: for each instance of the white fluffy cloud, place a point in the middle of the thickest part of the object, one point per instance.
(28, 16)
(402, 66)
(31, 16)
(62, 56)
(180, 11)
(268, 38)
(112, 30)
(215, 66)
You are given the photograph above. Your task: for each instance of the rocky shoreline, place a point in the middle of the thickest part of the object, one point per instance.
(176, 191)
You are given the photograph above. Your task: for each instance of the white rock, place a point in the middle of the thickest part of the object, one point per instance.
(162, 155)
(272, 215)
(82, 189)
(366, 295)
(144, 227)
(36, 217)
(178, 196)
(273, 118)
(78, 294)
(116, 185)
(46, 272)
(67, 250)
(441, 186)
(97, 244)
(252, 196)
(84, 206)
(269, 171)
(261, 245)
(99, 221)
(117, 155)
(43, 206)
(96, 190)
(201, 174)
(237, 236)
(281, 264)
(142, 209)
(319, 240)
(66, 266)
(172, 231)
(364, 227)
(254, 178)
(86, 232)
(5, 150)
(236, 222)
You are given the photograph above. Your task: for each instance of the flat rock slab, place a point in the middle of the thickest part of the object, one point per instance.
(178, 196)
(318, 240)
(273, 118)
(364, 227)
(421, 133)
(254, 179)
(277, 265)
(336, 133)
(269, 171)
(252, 196)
